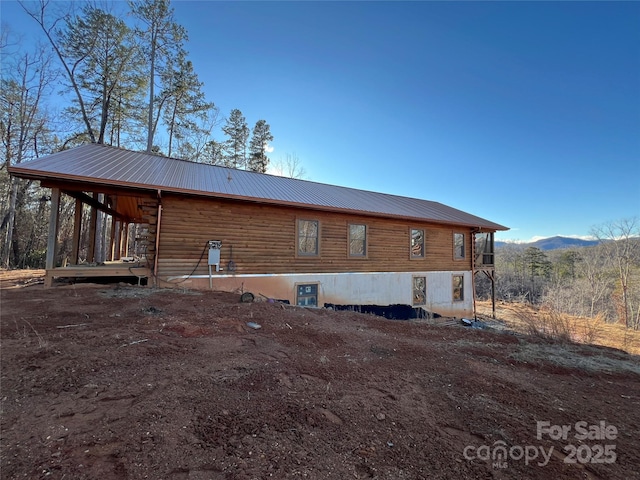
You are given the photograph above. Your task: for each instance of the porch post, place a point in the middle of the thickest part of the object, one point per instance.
(125, 238)
(93, 223)
(117, 239)
(493, 295)
(112, 240)
(77, 224)
(52, 238)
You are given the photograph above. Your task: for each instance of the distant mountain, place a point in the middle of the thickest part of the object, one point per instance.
(555, 243)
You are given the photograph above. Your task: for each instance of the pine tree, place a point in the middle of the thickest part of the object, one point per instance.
(162, 38)
(260, 138)
(235, 147)
(538, 266)
(86, 44)
(213, 153)
(186, 109)
(101, 48)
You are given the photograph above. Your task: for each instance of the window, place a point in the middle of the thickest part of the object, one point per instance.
(357, 240)
(417, 243)
(308, 234)
(307, 295)
(458, 246)
(458, 288)
(419, 291)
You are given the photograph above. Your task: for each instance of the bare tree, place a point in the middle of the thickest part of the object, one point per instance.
(592, 271)
(196, 145)
(49, 28)
(22, 122)
(290, 167)
(621, 243)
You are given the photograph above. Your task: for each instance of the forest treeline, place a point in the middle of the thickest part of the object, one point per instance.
(122, 79)
(601, 281)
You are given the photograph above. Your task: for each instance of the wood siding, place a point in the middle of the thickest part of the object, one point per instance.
(263, 239)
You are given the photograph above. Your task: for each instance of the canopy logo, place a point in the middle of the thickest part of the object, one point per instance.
(500, 454)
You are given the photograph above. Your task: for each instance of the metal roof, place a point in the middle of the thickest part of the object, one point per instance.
(106, 165)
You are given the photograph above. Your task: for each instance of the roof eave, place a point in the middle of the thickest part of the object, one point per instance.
(51, 177)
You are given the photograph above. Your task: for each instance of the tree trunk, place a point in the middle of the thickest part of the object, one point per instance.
(151, 129)
(10, 223)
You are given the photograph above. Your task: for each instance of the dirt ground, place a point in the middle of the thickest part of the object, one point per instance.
(127, 382)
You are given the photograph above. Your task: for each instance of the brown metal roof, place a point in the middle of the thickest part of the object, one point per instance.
(105, 165)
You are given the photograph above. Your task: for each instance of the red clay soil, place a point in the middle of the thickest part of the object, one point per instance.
(124, 382)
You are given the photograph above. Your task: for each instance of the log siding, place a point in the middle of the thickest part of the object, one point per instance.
(262, 239)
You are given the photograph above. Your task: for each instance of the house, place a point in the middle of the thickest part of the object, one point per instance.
(211, 227)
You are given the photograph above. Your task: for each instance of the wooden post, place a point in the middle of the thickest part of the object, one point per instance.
(53, 236)
(117, 239)
(101, 232)
(112, 240)
(77, 225)
(155, 254)
(93, 223)
(125, 239)
(493, 294)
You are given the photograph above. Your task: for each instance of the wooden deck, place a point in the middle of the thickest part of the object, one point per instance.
(108, 269)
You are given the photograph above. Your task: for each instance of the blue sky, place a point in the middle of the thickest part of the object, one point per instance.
(527, 114)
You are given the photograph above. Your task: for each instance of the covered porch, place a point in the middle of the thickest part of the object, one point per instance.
(113, 234)
(484, 262)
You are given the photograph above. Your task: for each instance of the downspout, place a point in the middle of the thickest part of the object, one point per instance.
(155, 260)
